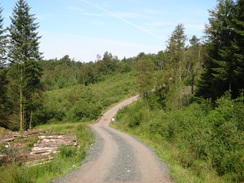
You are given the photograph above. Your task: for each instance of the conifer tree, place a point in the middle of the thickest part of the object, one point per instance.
(237, 49)
(175, 48)
(24, 55)
(175, 58)
(224, 65)
(3, 74)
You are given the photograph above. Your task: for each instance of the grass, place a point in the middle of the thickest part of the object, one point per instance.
(69, 158)
(3, 132)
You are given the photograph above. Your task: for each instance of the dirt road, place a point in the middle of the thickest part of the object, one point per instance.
(118, 157)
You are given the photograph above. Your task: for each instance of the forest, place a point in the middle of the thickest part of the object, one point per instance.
(192, 103)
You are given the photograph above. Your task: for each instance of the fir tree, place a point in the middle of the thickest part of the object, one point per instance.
(3, 75)
(175, 58)
(24, 55)
(224, 65)
(237, 48)
(3, 43)
(175, 48)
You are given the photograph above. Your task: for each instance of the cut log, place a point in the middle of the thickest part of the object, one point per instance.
(50, 144)
(8, 139)
(50, 137)
(2, 156)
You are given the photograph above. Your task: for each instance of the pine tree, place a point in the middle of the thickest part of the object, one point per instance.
(237, 48)
(224, 65)
(175, 48)
(3, 43)
(24, 55)
(175, 59)
(3, 75)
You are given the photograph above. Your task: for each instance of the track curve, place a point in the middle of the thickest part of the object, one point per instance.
(118, 157)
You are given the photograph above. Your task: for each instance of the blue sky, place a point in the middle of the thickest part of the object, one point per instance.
(84, 28)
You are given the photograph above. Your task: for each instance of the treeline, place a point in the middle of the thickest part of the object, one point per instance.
(67, 72)
(84, 103)
(25, 76)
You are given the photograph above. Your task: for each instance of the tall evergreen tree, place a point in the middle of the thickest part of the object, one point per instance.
(224, 65)
(24, 55)
(237, 48)
(175, 58)
(3, 74)
(175, 48)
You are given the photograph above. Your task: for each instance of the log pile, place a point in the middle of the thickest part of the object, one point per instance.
(47, 145)
(15, 146)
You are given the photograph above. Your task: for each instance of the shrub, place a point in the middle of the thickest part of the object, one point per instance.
(207, 138)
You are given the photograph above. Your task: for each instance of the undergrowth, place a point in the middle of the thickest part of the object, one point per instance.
(201, 142)
(84, 103)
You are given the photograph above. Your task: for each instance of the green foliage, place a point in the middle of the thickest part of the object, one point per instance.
(60, 73)
(175, 48)
(145, 77)
(3, 42)
(24, 70)
(81, 102)
(4, 101)
(66, 152)
(205, 139)
(65, 72)
(224, 64)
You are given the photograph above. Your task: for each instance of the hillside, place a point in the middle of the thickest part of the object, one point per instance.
(86, 103)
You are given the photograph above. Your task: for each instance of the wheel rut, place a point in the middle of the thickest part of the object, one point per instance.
(124, 168)
(117, 157)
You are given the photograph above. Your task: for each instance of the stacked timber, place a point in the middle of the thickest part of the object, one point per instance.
(47, 145)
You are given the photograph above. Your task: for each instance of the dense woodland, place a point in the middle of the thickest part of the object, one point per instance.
(192, 91)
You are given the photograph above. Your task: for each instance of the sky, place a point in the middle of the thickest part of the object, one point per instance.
(84, 29)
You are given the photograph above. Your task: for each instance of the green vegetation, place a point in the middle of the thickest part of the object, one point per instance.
(24, 74)
(199, 134)
(68, 159)
(4, 103)
(200, 141)
(84, 103)
(223, 66)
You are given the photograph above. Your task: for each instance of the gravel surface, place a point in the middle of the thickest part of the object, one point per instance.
(125, 165)
(117, 157)
(162, 164)
(96, 148)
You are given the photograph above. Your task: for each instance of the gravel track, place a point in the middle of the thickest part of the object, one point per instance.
(117, 157)
(124, 166)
